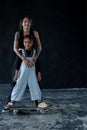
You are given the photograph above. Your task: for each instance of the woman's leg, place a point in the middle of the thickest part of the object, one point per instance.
(12, 86)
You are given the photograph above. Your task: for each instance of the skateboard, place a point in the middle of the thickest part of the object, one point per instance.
(26, 110)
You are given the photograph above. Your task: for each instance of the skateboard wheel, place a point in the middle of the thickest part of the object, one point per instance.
(42, 111)
(15, 112)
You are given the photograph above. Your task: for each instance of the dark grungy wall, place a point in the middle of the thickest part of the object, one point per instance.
(61, 25)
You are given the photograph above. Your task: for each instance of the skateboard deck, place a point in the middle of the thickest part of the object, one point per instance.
(21, 110)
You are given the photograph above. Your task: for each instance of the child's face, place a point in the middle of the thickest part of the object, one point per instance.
(28, 44)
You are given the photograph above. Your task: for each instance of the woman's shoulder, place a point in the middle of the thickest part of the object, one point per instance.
(17, 33)
(36, 34)
(35, 31)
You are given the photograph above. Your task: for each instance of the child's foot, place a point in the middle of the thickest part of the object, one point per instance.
(7, 107)
(43, 105)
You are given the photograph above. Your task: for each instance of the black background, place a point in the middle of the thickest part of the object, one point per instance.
(61, 25)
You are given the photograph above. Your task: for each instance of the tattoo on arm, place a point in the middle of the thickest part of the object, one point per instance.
(37, 54)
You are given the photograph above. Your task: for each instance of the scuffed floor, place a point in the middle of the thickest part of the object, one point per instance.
(68, 111)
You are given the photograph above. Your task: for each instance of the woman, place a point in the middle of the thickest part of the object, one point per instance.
(26, 29)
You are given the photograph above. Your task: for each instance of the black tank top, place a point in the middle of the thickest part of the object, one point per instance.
(20, 40)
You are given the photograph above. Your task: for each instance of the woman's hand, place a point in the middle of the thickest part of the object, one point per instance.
(15, 78)
(16, 75)
(39, 76)
(32, 62)
(26, 61)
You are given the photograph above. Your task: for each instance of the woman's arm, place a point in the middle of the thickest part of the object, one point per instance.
(16, 49)
(39, 46)
(38, 71)
(16, 46)
(37, 65)
(18, 64)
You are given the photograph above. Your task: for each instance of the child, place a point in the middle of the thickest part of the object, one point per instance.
(27, 75)
(38, 73)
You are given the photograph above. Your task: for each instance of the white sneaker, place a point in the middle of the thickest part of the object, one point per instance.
(7, 107)
(43, 105)
(10, 105)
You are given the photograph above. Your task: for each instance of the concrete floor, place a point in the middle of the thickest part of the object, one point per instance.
(68, 111)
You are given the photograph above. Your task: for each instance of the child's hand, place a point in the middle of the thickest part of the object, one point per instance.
(39, 76)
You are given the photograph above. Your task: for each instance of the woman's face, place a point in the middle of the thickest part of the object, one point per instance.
(26, 24)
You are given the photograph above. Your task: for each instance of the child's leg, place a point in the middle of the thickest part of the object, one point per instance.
(19, 88)
(34, 88)
(36, 101)
(16, 94)
(21, 83)
(35, 91)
